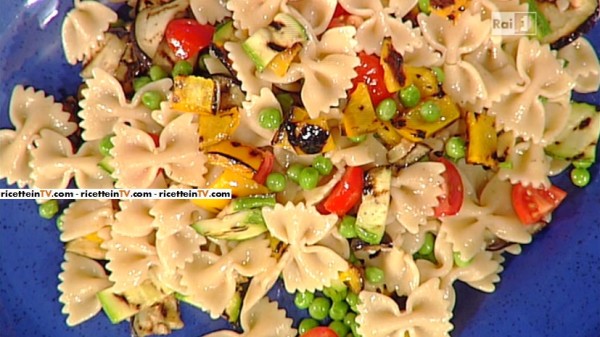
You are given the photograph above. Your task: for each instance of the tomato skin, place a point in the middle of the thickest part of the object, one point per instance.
(371, 73)
(320, 331)
(533, 204)
(345, 194)
(265, 167)
(452, 200)
(186, 37)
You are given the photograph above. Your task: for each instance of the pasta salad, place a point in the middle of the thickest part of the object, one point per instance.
(377, 152)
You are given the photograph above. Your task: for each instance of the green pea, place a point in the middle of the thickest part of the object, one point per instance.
(428, 245)
(276, 182)
(339, 328)
(386, 109)
(152, 99)
(338, 310)
(350, 319)
(583, 163)
(270, 118)
(319, 308)
(348, 227)
(439, 74)
(322, 164)
(293, 172)
(456, 148)
(60, 222)
(285, 101)
(430, 112)
(140, 82)
(48, 209)
(352, 300)
(309, 178)
(303, 299)
(459, 261)
(580, 177)
(336, 294)
(424, 6)
(505, 165)
(410, 96)
(374, 275)
(306, 325)
(182, 68)
(358, 139)
(157, 72)
(106, 145)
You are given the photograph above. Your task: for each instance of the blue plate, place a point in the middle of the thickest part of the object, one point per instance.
(550, 290)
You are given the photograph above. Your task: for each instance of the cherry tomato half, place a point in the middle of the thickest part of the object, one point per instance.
(452, 199)
(186, 37)
(320, 331)
(533, 204)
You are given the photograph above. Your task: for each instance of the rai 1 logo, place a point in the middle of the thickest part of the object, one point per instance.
(513, 23)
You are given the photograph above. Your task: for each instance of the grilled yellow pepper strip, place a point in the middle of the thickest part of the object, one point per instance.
(413, 127)
(483, 140)
(193, 94)
(244, 159)
(393, 71)
(359, 115)
(424, 79)
(281, 63)
(240, 186)
(213, 129)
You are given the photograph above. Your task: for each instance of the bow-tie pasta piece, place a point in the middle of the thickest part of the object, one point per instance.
(54, 163)
(137, 159)
(414, 193)
(130, 260)
(582, 65)
(81, 279)
(85, 217)
(83, 29)
(305, 264)
(211, 279)
(381, 22)
(209, 11)
(543, 76)
(263, 319)
(30, 112)
(104, 105)
(427, 313)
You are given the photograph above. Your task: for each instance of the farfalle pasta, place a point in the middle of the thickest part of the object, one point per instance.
(373, 150)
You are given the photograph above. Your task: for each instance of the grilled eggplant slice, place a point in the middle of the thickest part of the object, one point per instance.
(567, 26)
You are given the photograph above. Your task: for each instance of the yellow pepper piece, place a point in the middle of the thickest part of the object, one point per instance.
(359, 115)
(240, 187)
(241, 158)
(483, 140)
(193, 94)
(93, 238)
(353, 278)
(216, 128)
(415, 128)
(388, 134)
(281, 63)
(391, 61)
(424, 79)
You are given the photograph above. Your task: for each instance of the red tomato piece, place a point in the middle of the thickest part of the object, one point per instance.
(186, 37)
(452, 199)
(155, 138)
(533, 204)
(320, 331)
(370, 72)
(345, 194)
(265, 167)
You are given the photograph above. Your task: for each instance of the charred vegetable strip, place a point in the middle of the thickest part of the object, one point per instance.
(393, 72)
(194, 94)
(413, 127)
(359, 115)
(216, 128)
(483, 140)
(373, 210)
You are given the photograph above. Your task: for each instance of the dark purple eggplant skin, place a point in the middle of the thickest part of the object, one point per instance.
(582, 29)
